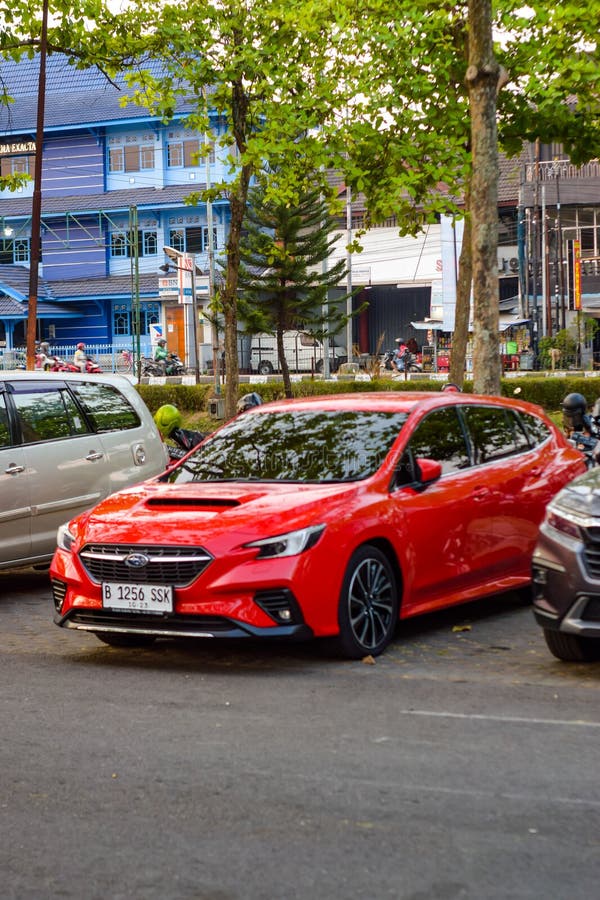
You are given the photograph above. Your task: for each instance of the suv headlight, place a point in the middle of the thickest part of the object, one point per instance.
(563, 524)
(65, 539)
(290, 544)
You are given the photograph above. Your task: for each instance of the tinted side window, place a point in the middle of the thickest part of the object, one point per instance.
(47, 415)
(106, 408)
(491, 433)
(521, 438)
(440, 436)
(537, 430)
(4, 430)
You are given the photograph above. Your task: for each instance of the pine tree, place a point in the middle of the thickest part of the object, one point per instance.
(283, 281)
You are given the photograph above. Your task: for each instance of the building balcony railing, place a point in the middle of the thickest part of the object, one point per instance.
(563, 169)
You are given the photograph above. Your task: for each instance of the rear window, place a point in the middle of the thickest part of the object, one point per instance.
(106, 407)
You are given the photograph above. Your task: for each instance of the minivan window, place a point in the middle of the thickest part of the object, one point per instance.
(106, 408)
(47, 415)
(4, 429)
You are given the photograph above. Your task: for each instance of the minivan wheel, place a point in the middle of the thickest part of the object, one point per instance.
(117, 639)
(265, 367)
(368, 606)
(571, 647)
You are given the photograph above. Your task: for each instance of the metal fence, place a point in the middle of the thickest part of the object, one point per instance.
(109, 357)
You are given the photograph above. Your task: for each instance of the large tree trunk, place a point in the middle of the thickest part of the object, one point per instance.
(237, 205)
(460, 334)
(238, 200)
(482, 82)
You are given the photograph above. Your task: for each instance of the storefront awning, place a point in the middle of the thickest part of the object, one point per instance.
(433, 325)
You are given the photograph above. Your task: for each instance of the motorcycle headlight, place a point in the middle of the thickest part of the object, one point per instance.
(65, 539)
(290, 544)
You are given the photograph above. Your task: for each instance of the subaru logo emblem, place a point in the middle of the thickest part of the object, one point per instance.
(136, 560)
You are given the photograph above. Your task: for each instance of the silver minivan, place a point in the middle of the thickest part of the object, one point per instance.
(66, 441)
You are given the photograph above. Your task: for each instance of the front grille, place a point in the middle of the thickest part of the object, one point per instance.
(591, 558)
(177, 566)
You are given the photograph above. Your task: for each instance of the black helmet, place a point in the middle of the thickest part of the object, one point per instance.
(248, 401)
(162, 343)
(574, 407)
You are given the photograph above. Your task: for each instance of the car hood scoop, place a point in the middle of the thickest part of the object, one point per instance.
(200, 503)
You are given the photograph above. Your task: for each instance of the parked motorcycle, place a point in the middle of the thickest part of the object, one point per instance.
(51, 363)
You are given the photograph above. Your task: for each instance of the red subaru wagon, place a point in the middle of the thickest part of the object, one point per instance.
(334, 516)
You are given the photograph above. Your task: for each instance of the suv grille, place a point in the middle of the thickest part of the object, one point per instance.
(592, 559)
(178, 566)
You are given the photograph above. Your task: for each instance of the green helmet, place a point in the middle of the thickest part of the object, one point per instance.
(168, 418)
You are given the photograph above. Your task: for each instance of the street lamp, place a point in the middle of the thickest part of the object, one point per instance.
(188, 265)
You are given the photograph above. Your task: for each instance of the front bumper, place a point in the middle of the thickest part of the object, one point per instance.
(174, 626)
(566, 597)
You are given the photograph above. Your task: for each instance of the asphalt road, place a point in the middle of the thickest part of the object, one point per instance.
(462, 764)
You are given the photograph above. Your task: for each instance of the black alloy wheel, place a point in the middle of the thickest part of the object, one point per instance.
(368, 607)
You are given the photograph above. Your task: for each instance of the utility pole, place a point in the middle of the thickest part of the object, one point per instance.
(211, 268)
(36, 208)
(135, 263)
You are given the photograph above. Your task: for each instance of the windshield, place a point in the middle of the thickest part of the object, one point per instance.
(301, 446)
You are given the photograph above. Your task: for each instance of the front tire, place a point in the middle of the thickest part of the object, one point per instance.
(117, 639)
(571, 647)
(265, 367)
(368, 606)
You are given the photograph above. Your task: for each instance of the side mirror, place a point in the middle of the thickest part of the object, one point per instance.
(428, 470)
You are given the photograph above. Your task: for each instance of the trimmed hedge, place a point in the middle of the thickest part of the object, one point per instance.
(545, 391)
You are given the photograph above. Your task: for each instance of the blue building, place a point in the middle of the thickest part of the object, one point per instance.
(114, 179)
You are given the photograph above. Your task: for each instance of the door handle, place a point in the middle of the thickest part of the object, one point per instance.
(480, 493)
(14, 469)
(93, 455)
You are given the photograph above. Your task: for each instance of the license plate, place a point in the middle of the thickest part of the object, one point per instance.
(143, 598)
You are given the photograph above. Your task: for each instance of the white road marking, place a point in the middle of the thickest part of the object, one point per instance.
(582, 723)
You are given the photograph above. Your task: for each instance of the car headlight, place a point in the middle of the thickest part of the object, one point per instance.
(563, 525)
(65, 539)
(290, 544)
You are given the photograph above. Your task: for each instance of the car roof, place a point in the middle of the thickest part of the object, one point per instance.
(39, 375)
(393, 401)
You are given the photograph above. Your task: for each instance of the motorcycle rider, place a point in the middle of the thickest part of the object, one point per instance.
(80, 357)
(400, 355)
(161, 354)
(576, 417)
